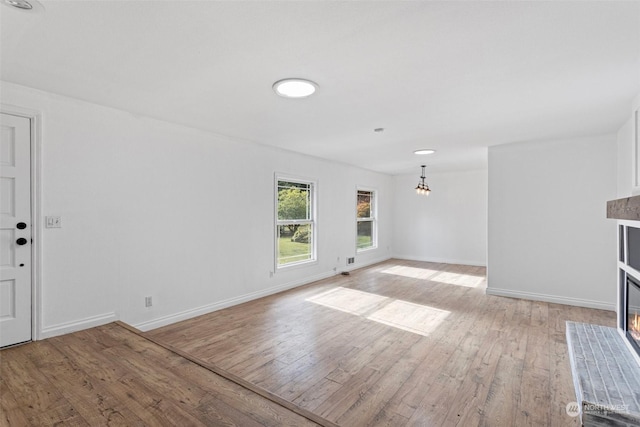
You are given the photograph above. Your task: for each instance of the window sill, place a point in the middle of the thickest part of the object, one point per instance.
(295, 265)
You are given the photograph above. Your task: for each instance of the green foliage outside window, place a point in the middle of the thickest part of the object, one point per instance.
(365, 219)
(294, 239)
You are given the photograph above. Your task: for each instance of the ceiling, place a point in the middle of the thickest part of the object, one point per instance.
(453, 76)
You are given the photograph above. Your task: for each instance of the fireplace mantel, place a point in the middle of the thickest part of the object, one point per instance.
(627, 208)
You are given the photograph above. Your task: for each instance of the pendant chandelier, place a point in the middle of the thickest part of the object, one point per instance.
(423, 188)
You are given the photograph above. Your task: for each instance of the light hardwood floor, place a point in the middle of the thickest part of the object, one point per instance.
(109, 376)
(398, 343)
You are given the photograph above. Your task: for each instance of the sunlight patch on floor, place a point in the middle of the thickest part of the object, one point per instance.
(412, 272)
(458, 279)
(348, 300)
(416, 318)
(408, 316)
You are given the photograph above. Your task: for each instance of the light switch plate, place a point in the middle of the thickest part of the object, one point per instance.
(53, 222)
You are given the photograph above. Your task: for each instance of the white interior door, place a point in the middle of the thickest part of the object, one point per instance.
(15, 229)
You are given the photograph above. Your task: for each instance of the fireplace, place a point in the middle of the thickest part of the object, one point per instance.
(627, 212)
(629, 285)
(605, 361)
(632, 313)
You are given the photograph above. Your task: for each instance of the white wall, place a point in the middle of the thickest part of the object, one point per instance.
(625, 159)
(448, 226)
(549, 238)
(182, 215)
(626, 153)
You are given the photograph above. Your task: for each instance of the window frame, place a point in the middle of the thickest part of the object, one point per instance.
(373, 218)
(312, 221)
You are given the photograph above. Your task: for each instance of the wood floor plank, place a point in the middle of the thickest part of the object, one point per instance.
(10, 412)
(318, 393)
(315, 372)
(340, 401)
(128, 385)
(219, 388)
(357, 386)
(95, 403)
(436, 406)
(408, 397)
(503, 397)
(386, 419)
(444, 345)
(371, 409)
(534, 392)
(36, 396)
(535, 386)
(270, 396)
(109, 376)
(361, 358)
(467, 407)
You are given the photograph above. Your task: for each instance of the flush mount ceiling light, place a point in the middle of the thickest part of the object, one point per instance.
(294, 88)
(423, 188)
(20, 4)
(424, 151)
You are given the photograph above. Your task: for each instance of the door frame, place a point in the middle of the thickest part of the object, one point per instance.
(35, 118)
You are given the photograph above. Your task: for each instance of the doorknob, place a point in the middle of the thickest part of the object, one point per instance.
(21, 241)
(21, 226)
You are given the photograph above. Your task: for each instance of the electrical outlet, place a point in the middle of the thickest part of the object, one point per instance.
(148, 301)
(351, 260)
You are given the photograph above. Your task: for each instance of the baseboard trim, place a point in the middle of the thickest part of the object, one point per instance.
(441, 260)
(76, 325)
(102, 319)
(557, 299)
(210, 308)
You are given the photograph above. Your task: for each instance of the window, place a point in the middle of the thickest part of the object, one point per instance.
(295, 222)
(366, 220)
